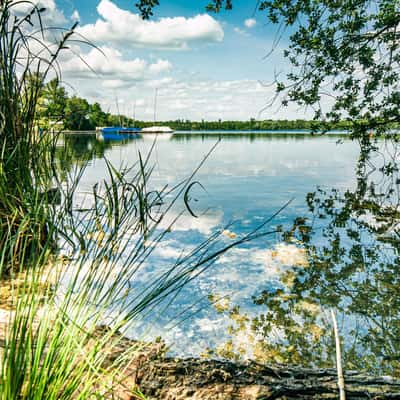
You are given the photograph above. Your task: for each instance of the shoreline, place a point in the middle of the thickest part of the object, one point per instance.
(160, 377)
(220, 132)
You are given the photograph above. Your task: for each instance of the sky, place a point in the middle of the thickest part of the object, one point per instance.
(203, 65)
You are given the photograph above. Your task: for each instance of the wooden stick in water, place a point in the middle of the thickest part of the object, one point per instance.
(342, 392)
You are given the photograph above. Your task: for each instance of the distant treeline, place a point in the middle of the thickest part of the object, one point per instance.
(250, 125)
(56, 108)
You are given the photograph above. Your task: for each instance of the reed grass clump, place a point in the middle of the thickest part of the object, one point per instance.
(27, 58)
(53, 347)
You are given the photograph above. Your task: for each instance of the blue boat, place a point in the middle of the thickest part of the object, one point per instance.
(120, 133)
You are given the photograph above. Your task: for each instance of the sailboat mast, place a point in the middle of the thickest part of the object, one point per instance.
(119, 115)
(155, 103)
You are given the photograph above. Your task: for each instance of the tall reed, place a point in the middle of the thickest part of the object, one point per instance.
(26, 173)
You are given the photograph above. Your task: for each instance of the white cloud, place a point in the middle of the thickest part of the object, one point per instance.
(159, 83)
(75, 16)
(250, 23)
(51, 16)
(205, 224)
(114, 84)
(160, 66)
(194, 99)
(240, 31)
(140, 102)
(121, 26)
(110, 65)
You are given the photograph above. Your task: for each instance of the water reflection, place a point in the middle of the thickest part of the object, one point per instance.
(352, 242)
(275, 303)
(254, 136)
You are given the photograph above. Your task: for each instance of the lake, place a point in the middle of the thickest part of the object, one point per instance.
(245, 180)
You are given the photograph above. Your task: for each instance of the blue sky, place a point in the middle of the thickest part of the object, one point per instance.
(205, 66)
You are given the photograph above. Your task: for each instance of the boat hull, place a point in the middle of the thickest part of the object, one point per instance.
(120, 133)
(157, 129)
(155, 135)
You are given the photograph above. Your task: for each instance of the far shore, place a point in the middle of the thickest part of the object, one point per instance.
(222, 131)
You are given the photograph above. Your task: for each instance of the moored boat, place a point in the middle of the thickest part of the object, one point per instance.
(157, 129)
(159, 132)
(120, 133)
(121, 130)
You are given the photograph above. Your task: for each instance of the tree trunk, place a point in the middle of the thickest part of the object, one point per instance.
(170, 378)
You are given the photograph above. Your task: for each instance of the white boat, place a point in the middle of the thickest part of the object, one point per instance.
(157, 129)
(159, 132)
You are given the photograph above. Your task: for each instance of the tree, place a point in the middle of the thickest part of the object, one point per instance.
(54, 100)
(97, 116)
(77, 114)
(347, 51)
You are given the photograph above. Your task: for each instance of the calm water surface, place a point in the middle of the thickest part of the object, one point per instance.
(247, 178)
